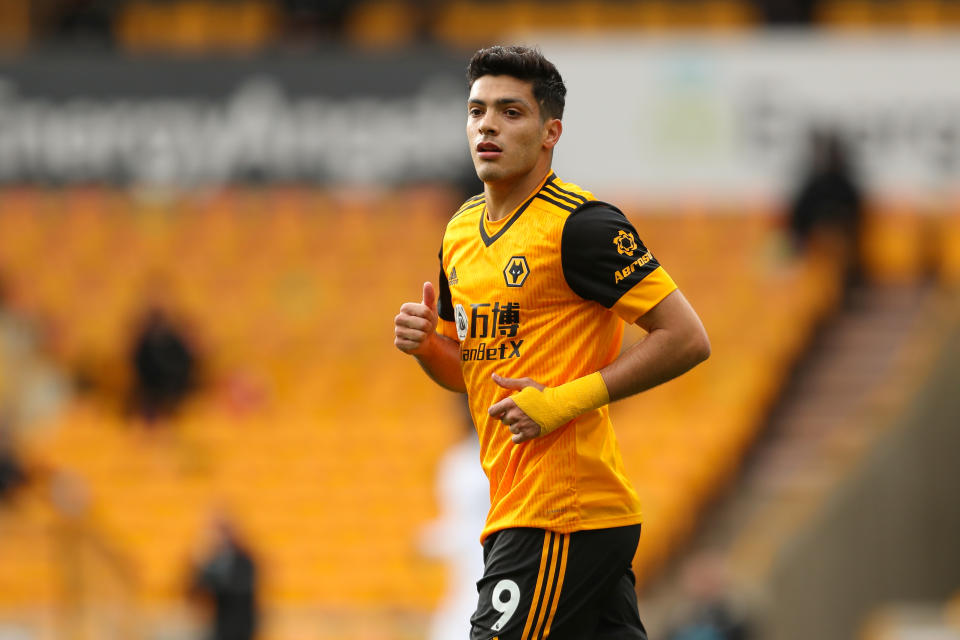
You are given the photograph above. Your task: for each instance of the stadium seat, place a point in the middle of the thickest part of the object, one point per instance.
(896, 245)
(292, 309)
(382, 23)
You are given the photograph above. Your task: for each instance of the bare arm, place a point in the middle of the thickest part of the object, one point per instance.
(676, 342)
(441, 361)
(415, 334)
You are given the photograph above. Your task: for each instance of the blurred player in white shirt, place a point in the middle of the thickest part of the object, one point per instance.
(463, 496)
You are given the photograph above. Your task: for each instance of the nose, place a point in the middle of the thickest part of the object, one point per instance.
(486, 125)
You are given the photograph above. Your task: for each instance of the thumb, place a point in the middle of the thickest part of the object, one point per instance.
(430, 296)
(511, 383)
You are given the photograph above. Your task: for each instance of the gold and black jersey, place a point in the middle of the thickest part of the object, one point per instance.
(544, 293)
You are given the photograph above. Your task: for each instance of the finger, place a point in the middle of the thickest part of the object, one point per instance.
(498, 409)
(412, 322)
(416, 309)
(406, 345)
(525, 432)
(510, 422)
(513, 415)
(413, 335)
(429, 296)
(512, 383)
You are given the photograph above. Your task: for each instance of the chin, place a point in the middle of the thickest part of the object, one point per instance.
(488, 173)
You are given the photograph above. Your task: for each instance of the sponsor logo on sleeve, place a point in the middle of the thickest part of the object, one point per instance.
(625, 242)
(620, 274)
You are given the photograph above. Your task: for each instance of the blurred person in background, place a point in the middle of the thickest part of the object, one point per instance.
(463, 495)
(13, 473)
(537, 279)
(786, 12)
(308, 21)
(82, 23)
(164, 366)
(708, 613)
(827, 211)
(32, 387)
(225, 580)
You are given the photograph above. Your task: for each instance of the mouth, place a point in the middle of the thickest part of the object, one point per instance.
(488, 150)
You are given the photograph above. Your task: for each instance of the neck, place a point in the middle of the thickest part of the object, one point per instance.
(503, 197)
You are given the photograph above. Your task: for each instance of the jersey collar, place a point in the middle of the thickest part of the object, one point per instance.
(487, 238)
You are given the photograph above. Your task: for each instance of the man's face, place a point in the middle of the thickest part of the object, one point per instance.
(504, 129)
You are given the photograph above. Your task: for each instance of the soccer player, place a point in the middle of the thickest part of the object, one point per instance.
(536, 281)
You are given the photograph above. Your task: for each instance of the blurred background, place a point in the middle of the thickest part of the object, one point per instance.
(210, 211)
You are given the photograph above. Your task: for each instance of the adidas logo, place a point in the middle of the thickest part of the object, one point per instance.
(452, 279)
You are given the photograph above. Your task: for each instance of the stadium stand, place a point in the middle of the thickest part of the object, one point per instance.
(853, 432)
(237, 26)
(192, 26)
(310, 429)
(14, 25)
(289, 293)
(922, 15)
(914, 620)
(245, 26)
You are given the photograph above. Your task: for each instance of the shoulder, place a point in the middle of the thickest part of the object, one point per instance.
(592, 219)
(562, 198)
(569, 190)
(558, 200)
(466, 216)
(595, 234)
(602, 255)
(470, 205)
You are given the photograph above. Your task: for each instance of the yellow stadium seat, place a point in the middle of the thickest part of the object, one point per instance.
(469, 23)
(382, 23)
(846, 14)
(895, 245)
(923, 14)
(14, 25)
(948, 261)
(247, 25)
(269, 277)
(728, 14)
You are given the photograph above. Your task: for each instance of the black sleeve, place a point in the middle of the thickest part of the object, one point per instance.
(601, 253)
(444, 301)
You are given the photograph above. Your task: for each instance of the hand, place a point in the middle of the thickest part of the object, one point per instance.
(506, 411)
(416, 324)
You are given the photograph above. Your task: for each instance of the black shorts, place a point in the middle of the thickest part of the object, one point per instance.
(540, 584)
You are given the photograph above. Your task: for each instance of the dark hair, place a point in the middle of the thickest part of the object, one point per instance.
(526, 64)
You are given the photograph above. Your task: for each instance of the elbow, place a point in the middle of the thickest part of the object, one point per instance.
(699, 347)
(704, 352)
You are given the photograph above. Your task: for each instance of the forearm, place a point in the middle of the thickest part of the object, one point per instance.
(661, 356)
(676, 342)
(440, 359)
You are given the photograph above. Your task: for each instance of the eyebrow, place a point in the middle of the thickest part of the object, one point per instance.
(500, 101)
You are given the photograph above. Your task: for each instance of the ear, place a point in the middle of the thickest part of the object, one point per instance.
(552, 129)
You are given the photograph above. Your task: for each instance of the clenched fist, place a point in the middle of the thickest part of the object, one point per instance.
(416, 324)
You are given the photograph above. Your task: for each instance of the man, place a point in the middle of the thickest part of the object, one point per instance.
(463, 499)
(537, 278)
(226, 576)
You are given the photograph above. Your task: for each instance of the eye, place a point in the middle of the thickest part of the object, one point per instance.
(513, 113)
(475, 111)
